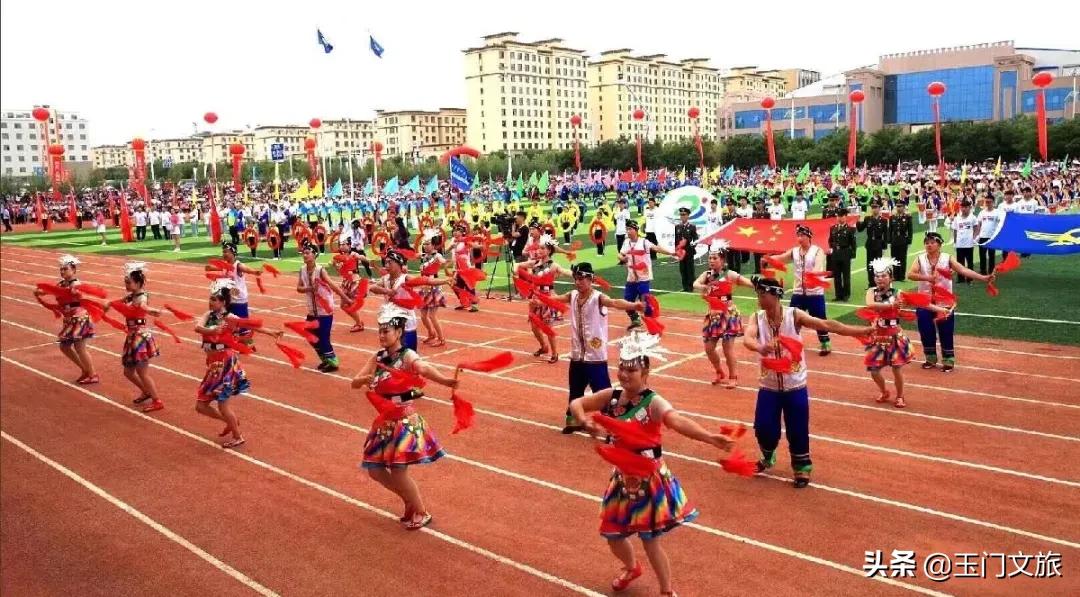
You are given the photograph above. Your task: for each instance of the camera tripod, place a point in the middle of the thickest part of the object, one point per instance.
(507, 259)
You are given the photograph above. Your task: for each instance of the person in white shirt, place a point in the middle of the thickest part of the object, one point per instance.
(776, 208)
(622, 215)
(635, 256)
(964, 227)
(175, 225)
(140, 224)
(989, 219)
(193, 218)
(713, 218)
(1028, 204)
(155, 223)
(799, 208)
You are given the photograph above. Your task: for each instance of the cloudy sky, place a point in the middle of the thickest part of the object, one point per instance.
(147, 68)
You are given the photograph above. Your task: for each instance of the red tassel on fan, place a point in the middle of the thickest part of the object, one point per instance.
(259, 283)
(523, 287)
(738, 464)
(775, 263)
(629, 434)
(92, 290)
(273, 271)
(571, 255)
(362, 288)
(354, 306)
(629, 463)
(51, 307)
(398, 381)
(94, 309)
(816, 280)
(301, 328)
(779, 365)
(541, 325)
(576, 245)
(768, 272)
(547, 279)
(641, 266)
(408, 254)
(1011, 262)
(464, 414)
(248, 323)
(992, 290)
(165, 328)
(602, 283)
(552, 303)
(295, 355)
(63, 295)
(733, 431)
(653, 325)
(915, 299)
(410, 301)
(503, 359)
(944, 271)
(716, 303)
(128, 311)
(866, 314)
(943, 296)
(212, 276)
(220, 264)
(463, 296)
(430, 269)
(116, 324)
(182, 316)
(236, 345)
(652, 304)
(907, 315)
(421, 281)
(793, 346)
(472, 276)
(386, 408)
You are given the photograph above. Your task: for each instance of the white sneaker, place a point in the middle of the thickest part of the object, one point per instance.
(177, 250)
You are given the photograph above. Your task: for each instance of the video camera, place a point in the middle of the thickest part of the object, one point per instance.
(505, 223)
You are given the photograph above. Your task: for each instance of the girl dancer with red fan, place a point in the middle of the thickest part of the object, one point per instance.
(224, 376)
(773, 333)
(392, 286)
(643, 497)
(888, 346)
(463, 261)
(431, 261)
(722, 322)
(319, 291)
(347, 261)
(399, 436)
(77, 326)
(542, 272)
(236, 272)
(139, 345)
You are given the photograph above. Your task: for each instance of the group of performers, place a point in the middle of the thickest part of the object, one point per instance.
(643, 496)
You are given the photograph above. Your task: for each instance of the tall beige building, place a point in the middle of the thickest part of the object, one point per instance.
(619, 84)
(178, 151)
(416, 135)
(289, 135)
(111, 156)
(521, 95)
(345, 137)
(215, 146)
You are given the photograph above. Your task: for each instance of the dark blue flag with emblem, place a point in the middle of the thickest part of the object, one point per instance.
(1046, 234)
(327, 48)
(460, 176)
(375, 47)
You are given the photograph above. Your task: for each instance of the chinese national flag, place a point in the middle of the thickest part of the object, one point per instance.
(769, 236)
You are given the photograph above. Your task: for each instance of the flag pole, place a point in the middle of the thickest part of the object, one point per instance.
(352, 190)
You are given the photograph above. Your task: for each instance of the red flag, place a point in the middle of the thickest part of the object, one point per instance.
(767, 236)
(125, 221)
(73, 210)
(215, 222)
(1009, 264)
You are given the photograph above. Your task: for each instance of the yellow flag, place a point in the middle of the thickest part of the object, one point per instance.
(303, 192)
(318, 190)
(682, 175)
(194, 195)
(963, 173)
(997, 169)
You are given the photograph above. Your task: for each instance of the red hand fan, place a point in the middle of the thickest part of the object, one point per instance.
(503, 359)
(464, 413)
(653, 325)
(738, 464)
(165, 328)
(1011, 262)
(629, 463)
(182, 316)
(541, 325)
(295, 356)
(220, 264)
(552, 303)
(602, 283)
(915, 299)
(779, 365)
(273, 271)
(775, 263)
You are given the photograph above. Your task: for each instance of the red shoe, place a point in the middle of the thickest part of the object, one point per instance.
(89, 380)
(627, 577)
(155, 405)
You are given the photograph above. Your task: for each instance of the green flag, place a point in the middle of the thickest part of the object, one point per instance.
(1026, 170)
(543, 184)
(836, 172)
(520, 185)
(803, 174)
(476, 180)
(1064, 163)
(533, 180)
(783, 174)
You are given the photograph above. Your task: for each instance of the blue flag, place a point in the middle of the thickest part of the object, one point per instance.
(375, 47)
(729, 173)
(460, 176)
(327, 48)
(1045, 234)
(391, 186)
(413, 185)
(369, 188)
(337, 191)
(432, 186)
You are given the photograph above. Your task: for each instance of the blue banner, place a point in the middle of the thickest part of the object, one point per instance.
(1045, 234)
(460, 176)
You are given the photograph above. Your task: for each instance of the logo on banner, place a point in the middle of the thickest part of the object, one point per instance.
(696, 200)
(277, 152)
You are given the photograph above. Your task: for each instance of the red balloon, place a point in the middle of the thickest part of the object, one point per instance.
(575, 120)
(40, 114)
(936, 89)
(236, 149)
(210, 117)
(857, 96)
(376, 146)
(55, 149)
(1042, 79)
(309, 143)
(453, 152)
(138, 144)
(315, 123)
(639, 114)
(693, 112)
(768, 103)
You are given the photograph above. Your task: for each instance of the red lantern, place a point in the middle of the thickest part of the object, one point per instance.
(376, 146)
(768, 103)
(237, 149)
(639, 114)
(315, 123)
(1042, 79)
(693, 112)
(138, 144)
(40, 114)
(56, 150)
(210, 117)
(857, 96)
(575, 120)
(936, 89)
(309, 143)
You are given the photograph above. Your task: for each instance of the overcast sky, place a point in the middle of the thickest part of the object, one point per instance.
(148, 68)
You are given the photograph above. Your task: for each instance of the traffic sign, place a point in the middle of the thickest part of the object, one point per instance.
(277, 152)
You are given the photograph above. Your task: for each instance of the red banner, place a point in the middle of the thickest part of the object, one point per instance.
(937, 141)
(769, 236)
(139, 181)
(577, 152)
(237, 170)
(313, 165)
(1040, 121)
(639, 165)
(73, 210)
(770, 147)
(853, 135)
(125, 221)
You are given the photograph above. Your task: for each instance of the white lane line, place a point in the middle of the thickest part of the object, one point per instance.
(321, 488)
(136, 514)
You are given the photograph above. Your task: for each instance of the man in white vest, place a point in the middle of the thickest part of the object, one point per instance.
(588, 336)
(808, 259)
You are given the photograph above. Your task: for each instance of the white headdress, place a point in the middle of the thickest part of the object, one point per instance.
(221, 284)
(391, 311)
(430, 233)
(69, 260)
(546, 240)
(718, 247)
(882, 265)
(636, 346)
(134, 266)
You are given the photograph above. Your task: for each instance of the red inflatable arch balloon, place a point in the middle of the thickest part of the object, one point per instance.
(457, 152)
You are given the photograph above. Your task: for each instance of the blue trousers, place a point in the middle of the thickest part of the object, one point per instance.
(794, 407)
(408, 340)
(591, 375)
(814, 304)
(322, 347)
(930, 331)
(240, 310)
(632, 292)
